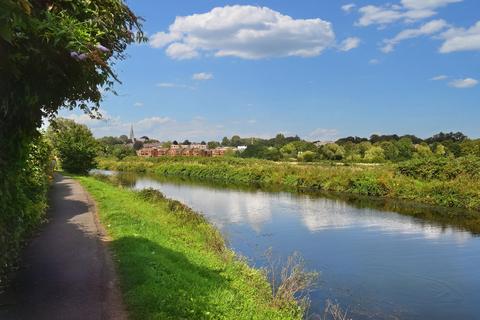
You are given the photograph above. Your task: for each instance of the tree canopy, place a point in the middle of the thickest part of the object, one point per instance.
(58, 54)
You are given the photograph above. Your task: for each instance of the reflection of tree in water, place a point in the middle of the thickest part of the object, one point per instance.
(127, 180)
(438, 216)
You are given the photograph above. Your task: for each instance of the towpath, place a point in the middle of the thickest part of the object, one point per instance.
(67, 270)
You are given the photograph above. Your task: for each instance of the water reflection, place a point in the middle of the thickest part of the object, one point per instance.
(255, 208)
(381, 264)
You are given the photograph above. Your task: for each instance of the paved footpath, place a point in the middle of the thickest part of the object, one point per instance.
(67, 270)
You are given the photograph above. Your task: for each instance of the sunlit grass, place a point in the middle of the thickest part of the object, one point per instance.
(174, 265)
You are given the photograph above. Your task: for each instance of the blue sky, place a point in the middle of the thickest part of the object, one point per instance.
(319, 69)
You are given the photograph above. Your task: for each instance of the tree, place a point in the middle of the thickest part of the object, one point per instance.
(332, 151)
(75, 144)
(167, 144)
(122, 151)
(374, 154)
(53, 54)
(213, 144)
(307, 156)
(124, 139)
(235, 141)
(137, 145)
(186, 142)
(271, 153)
(225, 142)
(405, 148)
(440, 150)
(279, 140)
(362, 148)
(390, 150)
(423, 150)
(56, 54)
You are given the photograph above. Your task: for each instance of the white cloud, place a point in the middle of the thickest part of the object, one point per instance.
(439, 78)
(374, 61)
(428, 28)
(247, 32)
(181, 51)
(202, 76)
(101, 116)
(138, 104)
(173, 85)
(427, 4)
(460, 39)
(252, 121)
(348, 7)
(151, 122)
(323, 134)
(407, 11)
(463, 83)
(349, 44)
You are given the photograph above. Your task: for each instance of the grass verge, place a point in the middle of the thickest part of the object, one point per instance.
(173, 264)
(383, 181)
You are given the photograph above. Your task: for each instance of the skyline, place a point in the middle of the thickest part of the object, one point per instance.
(317, 70)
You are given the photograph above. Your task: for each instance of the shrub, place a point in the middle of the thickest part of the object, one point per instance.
(75, 145)
(23, 193)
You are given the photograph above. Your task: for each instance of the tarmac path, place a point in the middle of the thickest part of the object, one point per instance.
(67, 270)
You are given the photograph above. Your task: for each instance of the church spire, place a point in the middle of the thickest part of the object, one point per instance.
(132, 136)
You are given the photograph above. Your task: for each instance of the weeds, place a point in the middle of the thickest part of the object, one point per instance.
(333, 311)
(289, 280)
(443, 182)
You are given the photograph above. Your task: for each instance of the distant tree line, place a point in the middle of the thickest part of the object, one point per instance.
(377, 148)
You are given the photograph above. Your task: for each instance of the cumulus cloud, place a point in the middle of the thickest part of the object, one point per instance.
(460, 39)
(439, 78)
(406, 10)
(427, 4)
(202, 76)
(101, 116)
(428, 28)
(151, 122)
(247, 32)
(166, 128)
(349, 44)
(348, 7)
(463, 83)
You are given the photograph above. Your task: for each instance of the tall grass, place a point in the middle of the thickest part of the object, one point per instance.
(173, 264)
(460, 190)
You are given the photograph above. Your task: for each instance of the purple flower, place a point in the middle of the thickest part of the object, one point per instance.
(74, 55)
(82, 56)
(102, 48)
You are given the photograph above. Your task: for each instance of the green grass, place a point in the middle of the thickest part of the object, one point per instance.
(462, 190)
(174, 265)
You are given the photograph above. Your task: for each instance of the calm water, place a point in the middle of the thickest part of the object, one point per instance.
(378, 264)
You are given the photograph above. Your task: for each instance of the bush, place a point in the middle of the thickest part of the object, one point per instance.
(440, 168)
(75, 145)
(23, 193)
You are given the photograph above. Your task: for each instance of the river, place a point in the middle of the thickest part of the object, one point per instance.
(376, 263)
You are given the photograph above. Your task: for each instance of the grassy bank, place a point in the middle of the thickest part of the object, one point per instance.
(174, 265)
(460, 190)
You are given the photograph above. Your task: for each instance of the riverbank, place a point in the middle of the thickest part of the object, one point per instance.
(173, 264)
(383, 181)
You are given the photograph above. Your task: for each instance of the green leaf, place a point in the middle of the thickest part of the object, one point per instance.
(6, 33)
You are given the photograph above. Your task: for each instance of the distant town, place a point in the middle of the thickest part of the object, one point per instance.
(155, 148)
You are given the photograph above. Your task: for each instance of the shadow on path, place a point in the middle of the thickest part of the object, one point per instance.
(66, 270)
